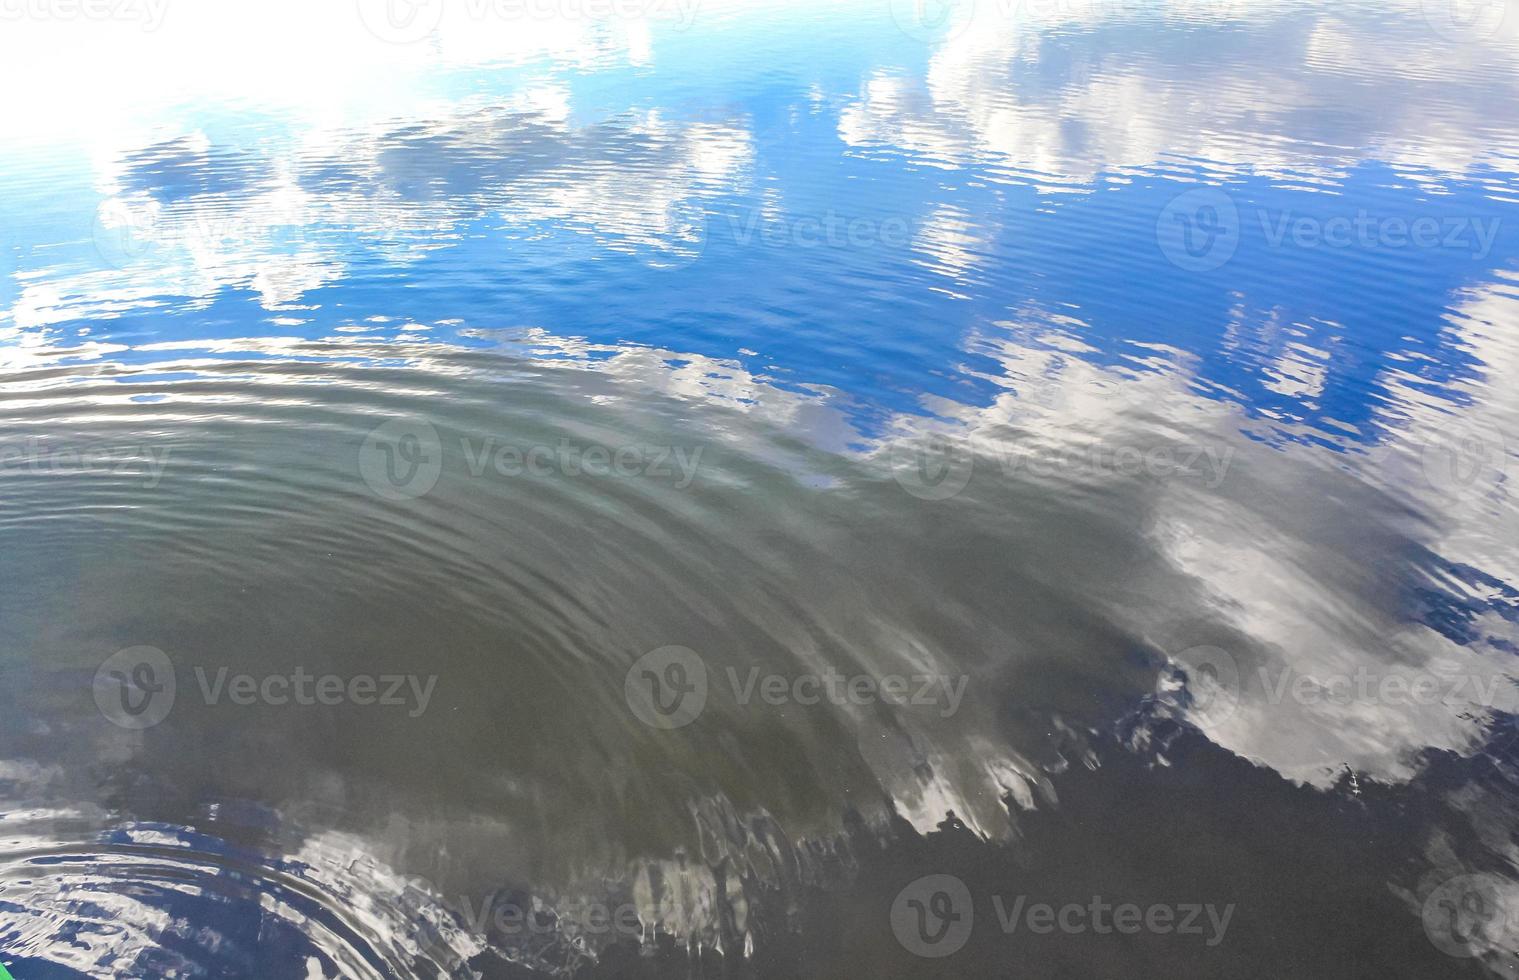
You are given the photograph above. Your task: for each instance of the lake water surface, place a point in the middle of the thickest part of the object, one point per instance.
(706, 488)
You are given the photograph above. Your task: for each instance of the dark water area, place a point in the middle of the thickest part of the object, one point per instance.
(754, 489)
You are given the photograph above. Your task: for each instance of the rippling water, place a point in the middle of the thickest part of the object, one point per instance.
(688, 488)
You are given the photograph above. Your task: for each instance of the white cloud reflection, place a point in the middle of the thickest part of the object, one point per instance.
(1057, 94)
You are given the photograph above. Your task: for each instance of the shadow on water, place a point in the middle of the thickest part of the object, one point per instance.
(1166, 821)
